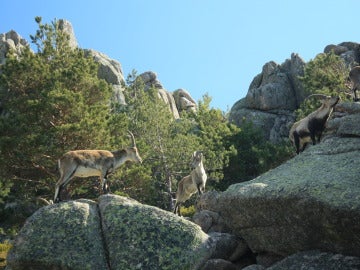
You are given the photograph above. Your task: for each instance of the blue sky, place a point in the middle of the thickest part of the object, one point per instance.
(214, 47)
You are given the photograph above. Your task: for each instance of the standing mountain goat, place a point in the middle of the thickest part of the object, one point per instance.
(195, 182)
(85, 163)
(354, 77)
(312, 125)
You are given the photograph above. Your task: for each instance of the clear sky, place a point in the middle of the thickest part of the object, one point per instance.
(203, 46)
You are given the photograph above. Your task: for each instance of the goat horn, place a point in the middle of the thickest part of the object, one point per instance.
(317, 95)
(132, 139)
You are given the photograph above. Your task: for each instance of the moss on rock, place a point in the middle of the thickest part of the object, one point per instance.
(145, 237)
(309, 202)
(60, 236)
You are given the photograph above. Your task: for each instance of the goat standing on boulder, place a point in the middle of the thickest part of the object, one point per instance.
(354, 77)
(312, 125)
(85, 163)
(195, 182)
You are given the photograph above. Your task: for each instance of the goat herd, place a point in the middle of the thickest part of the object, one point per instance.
(85, 163)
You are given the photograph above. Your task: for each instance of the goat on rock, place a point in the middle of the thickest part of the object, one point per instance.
(313, 125)
(85, 163)
(354, 77)
(190, 184)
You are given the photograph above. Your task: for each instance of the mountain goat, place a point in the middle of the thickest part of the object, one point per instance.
(85, 163)
(195, 182)
(354, 77)
(312, 125)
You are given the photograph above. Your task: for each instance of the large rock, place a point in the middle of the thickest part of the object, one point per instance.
(60, 236)
(310, 202)
(11, 41)
(115, 233)
(110, 70)
(348, 51)
(273, 96)
(151, 81)
(184, 101)
(67, 28)
(317, 260)
(145, 237)
(179, 100)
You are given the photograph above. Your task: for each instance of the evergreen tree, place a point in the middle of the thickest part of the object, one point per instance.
(54, 102)
(255, 155)
(164, 143)
(214, 132)
(326, 74)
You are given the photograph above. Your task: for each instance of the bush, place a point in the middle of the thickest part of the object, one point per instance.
(4, 249)
(326, 74)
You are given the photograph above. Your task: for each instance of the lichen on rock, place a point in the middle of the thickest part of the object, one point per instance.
(145, 237)
(60, 236)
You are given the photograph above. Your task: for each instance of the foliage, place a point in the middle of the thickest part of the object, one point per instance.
(5, 246)
(187, 211)
(214, 132)
(4, 249)
(55, 102)
(326, 74)
(255, 155)
(4, 190)
(164, 143)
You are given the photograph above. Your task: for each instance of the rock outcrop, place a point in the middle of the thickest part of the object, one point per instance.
(11, 41)
(115, 233)
(60, 236)
(311, 202)
(277, 92)
(273, 96)
(184, 101)
(110, 70)
(67, 28)
(348, 51)
(179, 100)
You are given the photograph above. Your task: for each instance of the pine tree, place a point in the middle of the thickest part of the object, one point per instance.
(326, 74)
(214, 132)
(54, 103)
(164, 143)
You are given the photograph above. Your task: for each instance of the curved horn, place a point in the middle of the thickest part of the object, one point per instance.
(316, 95)
(132, 139)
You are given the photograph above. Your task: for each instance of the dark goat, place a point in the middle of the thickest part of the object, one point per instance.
(354, 77)
(312, 125)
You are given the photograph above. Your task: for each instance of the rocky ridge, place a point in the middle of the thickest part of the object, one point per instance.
(277, 92)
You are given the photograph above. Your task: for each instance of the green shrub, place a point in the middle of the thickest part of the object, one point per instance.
(187, 211)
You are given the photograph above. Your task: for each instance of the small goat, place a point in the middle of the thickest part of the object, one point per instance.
(354, 77)
(195, 182)
(312, 125)
(85, 163)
